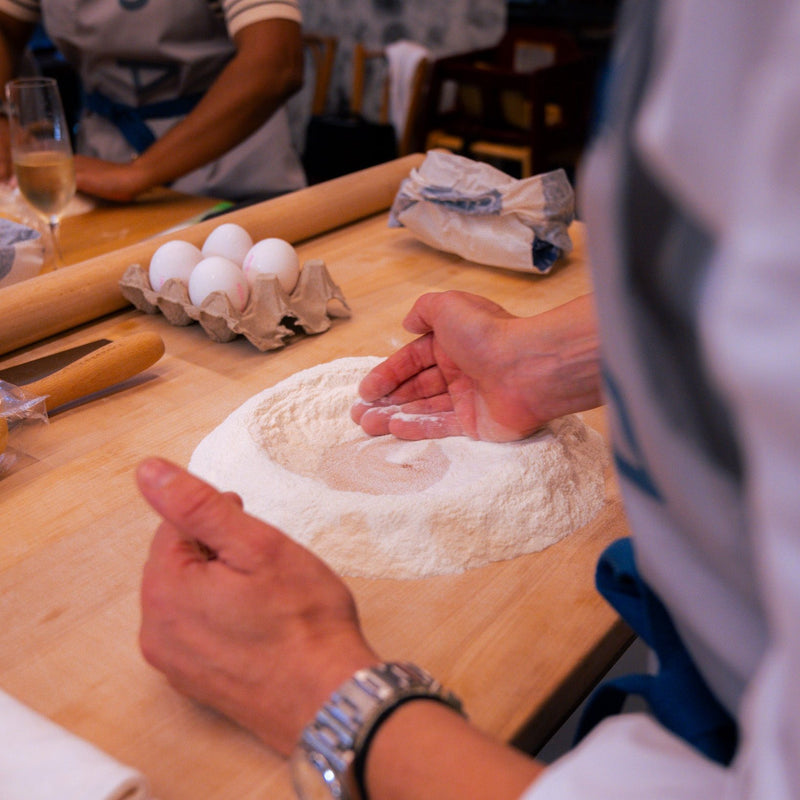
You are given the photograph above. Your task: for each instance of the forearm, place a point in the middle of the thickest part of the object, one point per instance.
(425, 749)
(558, 366)
(263, 74)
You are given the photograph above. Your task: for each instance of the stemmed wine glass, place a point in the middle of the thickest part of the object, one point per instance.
(41, 150)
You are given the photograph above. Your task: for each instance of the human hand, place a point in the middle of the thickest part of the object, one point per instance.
(477, 370)
(237, 615)
(121, 183)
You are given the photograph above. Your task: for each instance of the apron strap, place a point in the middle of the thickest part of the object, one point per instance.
(677, 694)
(130, 120)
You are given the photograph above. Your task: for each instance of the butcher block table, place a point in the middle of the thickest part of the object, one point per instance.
(111, 226)
(521, 641)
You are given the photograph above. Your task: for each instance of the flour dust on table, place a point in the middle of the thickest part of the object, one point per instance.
(380, 507)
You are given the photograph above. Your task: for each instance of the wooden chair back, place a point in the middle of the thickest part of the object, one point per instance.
(408, 140)
(322, 50)
(528, 100)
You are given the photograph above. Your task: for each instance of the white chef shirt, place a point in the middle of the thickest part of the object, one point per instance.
(698, 285)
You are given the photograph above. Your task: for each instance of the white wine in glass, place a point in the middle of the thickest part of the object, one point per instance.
(41, 150)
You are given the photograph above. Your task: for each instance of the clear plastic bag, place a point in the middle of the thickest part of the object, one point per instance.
(23, 248)
(16, 404)
(17, 407)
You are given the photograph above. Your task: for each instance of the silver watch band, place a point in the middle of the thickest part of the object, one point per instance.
(329, 758)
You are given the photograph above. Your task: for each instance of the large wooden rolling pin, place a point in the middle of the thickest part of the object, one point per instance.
(56, 301)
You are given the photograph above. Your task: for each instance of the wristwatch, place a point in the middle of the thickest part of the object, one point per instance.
(328, 761)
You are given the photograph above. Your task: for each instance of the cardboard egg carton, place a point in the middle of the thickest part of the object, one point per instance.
(270, 318)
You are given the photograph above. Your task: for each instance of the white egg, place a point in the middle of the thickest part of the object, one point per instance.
(274, 256)
(175, 260)
(229, 240)
(219, 274)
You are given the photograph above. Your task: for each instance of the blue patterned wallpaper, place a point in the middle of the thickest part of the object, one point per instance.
(443, 26)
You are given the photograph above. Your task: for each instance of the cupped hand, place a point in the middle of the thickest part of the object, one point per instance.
(479, 371)
(453, 380)
(237, 615)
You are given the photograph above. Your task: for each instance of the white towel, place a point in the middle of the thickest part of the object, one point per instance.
(41, 761)
(403, 58)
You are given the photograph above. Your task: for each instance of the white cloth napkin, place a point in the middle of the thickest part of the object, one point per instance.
(41, 761)
(403, 58)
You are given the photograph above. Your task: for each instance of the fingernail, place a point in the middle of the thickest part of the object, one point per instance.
(157, 473)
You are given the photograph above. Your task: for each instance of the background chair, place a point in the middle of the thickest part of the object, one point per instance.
(359, 137)
(319, 53)
(322, 52)
(407, 132)
(528, 101)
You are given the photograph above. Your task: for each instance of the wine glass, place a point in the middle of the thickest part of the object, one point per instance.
(41, 150)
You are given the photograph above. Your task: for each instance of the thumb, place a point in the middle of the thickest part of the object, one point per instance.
(199, 513)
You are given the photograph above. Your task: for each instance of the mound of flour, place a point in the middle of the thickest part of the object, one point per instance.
(382, 507)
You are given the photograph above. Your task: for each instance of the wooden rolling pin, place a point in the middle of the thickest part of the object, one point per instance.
(102, 368)
(56, 301)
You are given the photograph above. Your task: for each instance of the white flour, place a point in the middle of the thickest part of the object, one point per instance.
(382, 507)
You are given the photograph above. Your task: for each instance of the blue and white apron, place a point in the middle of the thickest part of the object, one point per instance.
(143, 65)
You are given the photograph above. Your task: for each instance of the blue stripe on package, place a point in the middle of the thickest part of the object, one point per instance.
(471, 209)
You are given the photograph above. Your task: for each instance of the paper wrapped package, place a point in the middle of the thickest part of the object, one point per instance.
(21, 252)
(39, 760)
(470, 208)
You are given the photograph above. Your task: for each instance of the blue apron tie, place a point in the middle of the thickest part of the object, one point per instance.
(131, 119)
(677, 695)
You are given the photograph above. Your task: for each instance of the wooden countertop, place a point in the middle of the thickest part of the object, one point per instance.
(520, 641)
(110, 226)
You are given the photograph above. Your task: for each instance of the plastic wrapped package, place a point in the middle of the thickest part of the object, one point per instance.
(16, 407)
(471, 209)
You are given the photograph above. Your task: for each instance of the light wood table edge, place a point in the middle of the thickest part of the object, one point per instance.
(562, 703)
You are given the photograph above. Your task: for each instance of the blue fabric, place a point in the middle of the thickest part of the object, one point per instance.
(131, 119)
(677, 694)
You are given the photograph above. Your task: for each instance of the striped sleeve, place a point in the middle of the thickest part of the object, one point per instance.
(241, 13)
(23, 10)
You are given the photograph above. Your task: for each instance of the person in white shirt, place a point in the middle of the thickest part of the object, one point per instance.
(189, 93)
(691, 196)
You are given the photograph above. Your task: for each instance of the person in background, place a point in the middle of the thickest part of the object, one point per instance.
(691, 196)
(188, 93)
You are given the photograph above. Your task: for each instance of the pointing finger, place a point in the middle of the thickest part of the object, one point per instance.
(201, 514)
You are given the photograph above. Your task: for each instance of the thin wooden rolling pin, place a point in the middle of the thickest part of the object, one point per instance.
(56, 301)
(107, 366)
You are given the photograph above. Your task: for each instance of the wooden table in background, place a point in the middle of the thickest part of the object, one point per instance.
(520, 641)
(110, 226)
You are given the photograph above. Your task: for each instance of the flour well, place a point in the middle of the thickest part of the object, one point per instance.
(382, 507)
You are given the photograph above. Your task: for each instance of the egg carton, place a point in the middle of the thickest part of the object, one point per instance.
(270, 318)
